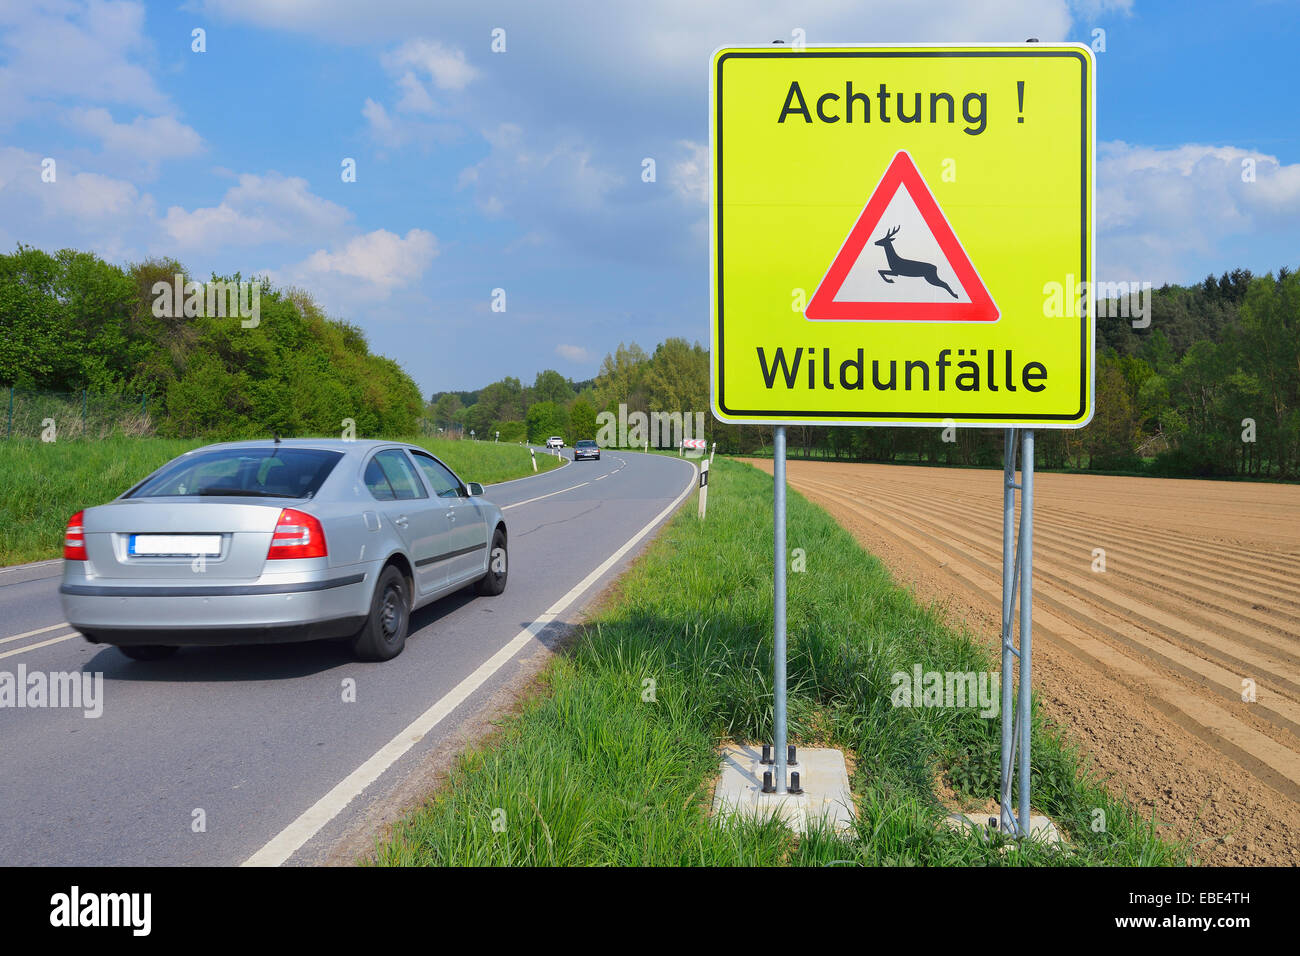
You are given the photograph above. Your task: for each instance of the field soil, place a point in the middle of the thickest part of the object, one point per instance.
(1144, 664)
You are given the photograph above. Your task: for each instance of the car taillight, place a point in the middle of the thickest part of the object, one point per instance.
(297, 535)
(74, 539)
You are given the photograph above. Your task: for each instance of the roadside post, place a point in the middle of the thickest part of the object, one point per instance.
(704, 488)
(957, 289)
(533, 452)
(713, 451)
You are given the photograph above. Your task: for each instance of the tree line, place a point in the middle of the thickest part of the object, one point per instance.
(675, 377)
(1210, 387)
(69, 321)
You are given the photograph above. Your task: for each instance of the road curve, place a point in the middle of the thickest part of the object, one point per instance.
(216, 756)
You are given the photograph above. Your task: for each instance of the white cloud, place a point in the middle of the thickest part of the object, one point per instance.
(89, 51)
(1092, 9)
(383, 260)
(446, 67)
(146, 139)
(381, 124)
(415, 98)
(597, 87)
(665, 42)
(108, 215)
(690, 176)
(260, 209)
(574, 353)
(1171, 214)
(416, 65)
(91, 196)
(553, 189)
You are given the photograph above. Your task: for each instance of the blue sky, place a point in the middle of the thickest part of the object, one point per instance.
(522, 170)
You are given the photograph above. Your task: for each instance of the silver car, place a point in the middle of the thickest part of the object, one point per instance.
(272, 541)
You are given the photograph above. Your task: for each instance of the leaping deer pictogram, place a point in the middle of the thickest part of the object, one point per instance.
(898, 266)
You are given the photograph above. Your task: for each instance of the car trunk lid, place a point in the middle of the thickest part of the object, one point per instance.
(179, 539)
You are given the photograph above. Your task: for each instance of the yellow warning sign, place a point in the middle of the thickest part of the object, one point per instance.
(903, 235)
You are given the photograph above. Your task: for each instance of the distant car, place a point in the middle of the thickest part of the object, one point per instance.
(586, 449)
(555, 441)
(268, 542)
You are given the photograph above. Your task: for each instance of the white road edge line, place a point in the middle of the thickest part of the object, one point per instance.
(34, 564)
(289, 840)
(32, 647)
(540, 497)
(39, 630)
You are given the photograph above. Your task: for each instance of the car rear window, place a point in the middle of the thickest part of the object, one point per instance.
(585, 444)
(271, 472)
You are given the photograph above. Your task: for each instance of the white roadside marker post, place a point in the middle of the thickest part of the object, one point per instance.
(704, 488)
(713, 452)
(533, 452)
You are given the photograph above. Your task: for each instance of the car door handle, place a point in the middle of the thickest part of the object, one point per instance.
(451, 515)
(400, 521)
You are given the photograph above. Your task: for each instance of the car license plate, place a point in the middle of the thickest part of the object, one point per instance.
(156, 545)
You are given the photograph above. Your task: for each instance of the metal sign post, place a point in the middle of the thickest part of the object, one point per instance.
(1007, 823)
(1017, 574)
(778, 608)
(1025, 550)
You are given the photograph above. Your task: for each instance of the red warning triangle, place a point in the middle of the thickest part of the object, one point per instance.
(901, 262)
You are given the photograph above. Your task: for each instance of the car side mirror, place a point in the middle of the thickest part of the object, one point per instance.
(474, 488)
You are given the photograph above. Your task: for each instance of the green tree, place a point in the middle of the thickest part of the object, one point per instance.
(1112, 434)
(582, 421)
(551, 386)
(677, 377)
(619, 380)
(503, 400)
(445, 408)
(544, 420)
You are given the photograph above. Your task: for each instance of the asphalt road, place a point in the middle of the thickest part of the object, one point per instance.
(247, 740)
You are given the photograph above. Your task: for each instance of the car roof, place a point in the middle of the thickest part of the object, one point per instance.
(327, 444)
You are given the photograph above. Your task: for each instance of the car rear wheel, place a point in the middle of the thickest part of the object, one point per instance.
(384, 634)
(494, 582)
(148, 652)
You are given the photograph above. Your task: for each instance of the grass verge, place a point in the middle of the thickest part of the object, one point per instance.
(591, 772)
(43, 484)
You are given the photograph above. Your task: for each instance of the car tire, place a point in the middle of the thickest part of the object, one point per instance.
(148, 652)
(494, 582)
(384, 634)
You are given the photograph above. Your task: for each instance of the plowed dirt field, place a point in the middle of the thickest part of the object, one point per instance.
(1144, 663)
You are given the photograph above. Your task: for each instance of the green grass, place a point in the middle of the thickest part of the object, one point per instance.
(588, 773)
(42, 485)
(483, 461)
